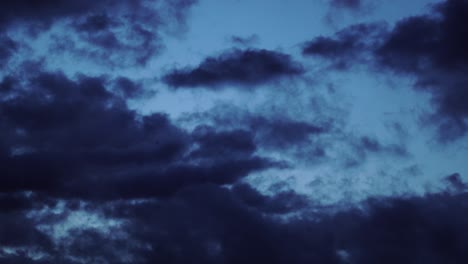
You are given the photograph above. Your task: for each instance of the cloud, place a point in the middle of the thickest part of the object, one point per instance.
(282, 202)
(372, 145)
(7, 48)
(273, 132)
(304, 140)
(213, 224)
(430, 47)
(242, 67)
(118, 34)
(77, 138)
(245, 41)
(87, 179)
(128, 88)
(347, 47)
(455, 181)
(46, 12)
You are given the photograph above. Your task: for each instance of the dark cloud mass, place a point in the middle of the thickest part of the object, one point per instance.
(430, 47)
(433, 48)
(75, 137)
(244, 67)
(44, 11)
(210, 224)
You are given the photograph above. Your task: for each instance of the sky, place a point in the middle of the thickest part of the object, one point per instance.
(233, 131)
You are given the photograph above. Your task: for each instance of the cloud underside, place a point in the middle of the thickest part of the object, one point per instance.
(430, 47)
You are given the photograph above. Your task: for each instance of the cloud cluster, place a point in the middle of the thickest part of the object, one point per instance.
(430, 47)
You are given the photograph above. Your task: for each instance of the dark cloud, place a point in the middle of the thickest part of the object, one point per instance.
(273, 131)
(128, 88)
(316, 139)
(430, 47)
(282, 202)
(86, 179)
(214, 144)
(212, 224)
(95, 23)
(109, 39)
(244, 67)
(281, 132)
(75, 137)
(8, 84)
(434, 41)
(123, 33)
(347, 47)
(44, 11)
(455, 181)
(7, 48)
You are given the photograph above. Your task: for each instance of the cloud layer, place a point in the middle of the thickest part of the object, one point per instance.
(88, 176)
